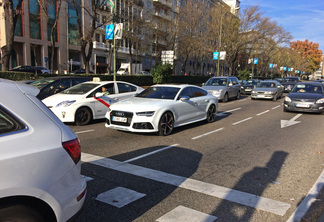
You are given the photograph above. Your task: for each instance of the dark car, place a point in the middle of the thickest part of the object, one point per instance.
(51, 85)
(290, 82)
(305, 97)
(79, 71)
(281, 80)
(249, 86)
(31, 69)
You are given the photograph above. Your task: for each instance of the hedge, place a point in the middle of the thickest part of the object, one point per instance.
(135, 79)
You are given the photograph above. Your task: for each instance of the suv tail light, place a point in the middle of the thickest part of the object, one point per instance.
(74, 149)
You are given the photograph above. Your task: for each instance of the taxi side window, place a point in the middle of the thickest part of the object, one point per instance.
(124, 88)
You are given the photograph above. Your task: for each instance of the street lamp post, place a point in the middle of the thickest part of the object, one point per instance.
(114, 22)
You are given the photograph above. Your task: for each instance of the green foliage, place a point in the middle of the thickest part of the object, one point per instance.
(162, 73)
(243, 74)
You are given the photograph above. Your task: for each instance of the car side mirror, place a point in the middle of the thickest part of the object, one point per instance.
(184, 98)
(99, 94)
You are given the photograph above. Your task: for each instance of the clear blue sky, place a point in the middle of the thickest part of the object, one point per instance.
(304, 19)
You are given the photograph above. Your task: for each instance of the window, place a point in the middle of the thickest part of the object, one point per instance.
(34, 20)
(123, 88)
(199, 92)
(97, 37)
(8, 123)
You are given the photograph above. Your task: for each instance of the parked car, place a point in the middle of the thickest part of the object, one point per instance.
(52, 85)
(223, 87)
(43, 70)
(160, 108)
(267, 90)
(249, 86)
(305, 97)
(89, 100)
(80, 71)
(31, 69)
(290, 82)
(40, 160)
(143, 73)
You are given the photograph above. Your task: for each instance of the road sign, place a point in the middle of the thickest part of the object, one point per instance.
(215, 55)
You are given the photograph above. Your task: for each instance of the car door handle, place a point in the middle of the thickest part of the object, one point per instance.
(116, 99)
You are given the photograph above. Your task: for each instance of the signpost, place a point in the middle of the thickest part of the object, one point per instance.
(167, 57)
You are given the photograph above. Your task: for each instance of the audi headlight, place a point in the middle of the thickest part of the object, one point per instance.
(147, 114)
(253, 91)
(320, 101)
(65, 103)
(287, 99)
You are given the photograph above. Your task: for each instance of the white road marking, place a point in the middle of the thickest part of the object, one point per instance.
(308, 200)
(151, 153)
(276, 107)
(85, 131)
(251, 200)
(205, 134)
(183, 214)
(242, 121)
(119, 196)
(259, 114)
(286, 123)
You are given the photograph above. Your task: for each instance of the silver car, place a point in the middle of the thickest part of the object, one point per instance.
(223, 87)
(267, 90)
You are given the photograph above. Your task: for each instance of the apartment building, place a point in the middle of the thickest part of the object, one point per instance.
(32, 35)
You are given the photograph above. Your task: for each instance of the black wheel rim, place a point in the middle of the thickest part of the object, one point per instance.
(166, 124)
(83, 116)
(211, 114)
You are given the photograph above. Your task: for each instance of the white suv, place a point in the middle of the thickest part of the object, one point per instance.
(39, 162)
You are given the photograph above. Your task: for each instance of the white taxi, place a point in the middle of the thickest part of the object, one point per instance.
(89, 100)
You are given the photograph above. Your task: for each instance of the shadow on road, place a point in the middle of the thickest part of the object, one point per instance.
(253, 182)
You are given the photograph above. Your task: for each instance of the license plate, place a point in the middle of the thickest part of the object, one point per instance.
(119, 119)
(248, 89)
(302, 105)
(262, 96)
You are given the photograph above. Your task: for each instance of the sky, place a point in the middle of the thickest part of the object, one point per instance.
(304, 19)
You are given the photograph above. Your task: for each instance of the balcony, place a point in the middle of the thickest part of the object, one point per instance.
(164, 3)
(162, 15)
(100, 46)
(100, 26)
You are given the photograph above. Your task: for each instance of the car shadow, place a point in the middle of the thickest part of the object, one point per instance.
(181, 164)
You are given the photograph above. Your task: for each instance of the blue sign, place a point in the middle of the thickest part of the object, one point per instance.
(109, 32)
(270, 65)
(215, 55)
(255, 61)
(284, 68)
(289, 69)
(298, 71)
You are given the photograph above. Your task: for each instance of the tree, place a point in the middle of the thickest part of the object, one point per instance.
(192, 34)
(161, 73)
(310, 52)
(48, 7)
(87, 29)
(11, 14)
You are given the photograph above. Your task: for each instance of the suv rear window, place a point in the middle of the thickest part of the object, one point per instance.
(8, 123)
